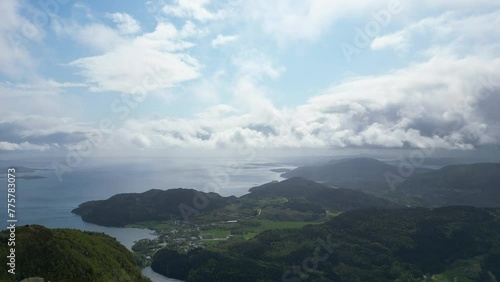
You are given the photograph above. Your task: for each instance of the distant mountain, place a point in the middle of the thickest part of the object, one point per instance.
(471, 184)
(468, 184)
(67, 255)
(364, 174)
(152, 205)
(382, 245)
(327, 197)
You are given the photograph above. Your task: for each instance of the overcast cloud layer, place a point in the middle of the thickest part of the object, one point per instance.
(280, 74)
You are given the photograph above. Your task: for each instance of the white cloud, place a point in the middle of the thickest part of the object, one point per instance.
(189, 29)
(153, 61)
(418, 107)
(126, 23)
(217, 112)
(36, 132)
(80, 8)
(402, 108)
(485, 5)
(248, 89)
(25, 146)
(302, 20)
(17, 33)
(308, 20)
(36, 88)
(208, 89)
(95, 35)
(194, 9)
(399, 108)
(397, 41)
(411, 104)
(452, 30)
(141, 141)
(223, 39)
(256, 65)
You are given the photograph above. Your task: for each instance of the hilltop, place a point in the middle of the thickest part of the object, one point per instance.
(466, 184)
(314, 193)
(59, 255)
(152, 205)
(470, 184)
(365, 174)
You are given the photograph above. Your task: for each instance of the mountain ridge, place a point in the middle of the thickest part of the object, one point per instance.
(161, 205)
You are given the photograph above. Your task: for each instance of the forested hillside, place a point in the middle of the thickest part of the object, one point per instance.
(62, 255)
(361, 245)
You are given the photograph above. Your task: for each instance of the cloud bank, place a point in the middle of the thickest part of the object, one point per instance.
(443, 91)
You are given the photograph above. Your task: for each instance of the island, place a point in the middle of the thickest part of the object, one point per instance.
(27, 177)
(186, 219)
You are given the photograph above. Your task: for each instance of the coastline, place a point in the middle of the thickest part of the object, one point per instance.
(48, 201)
(156, 277)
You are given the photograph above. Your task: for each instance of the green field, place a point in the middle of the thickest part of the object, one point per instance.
(333, 214)
(247, 228)
(266, 224)
(153, 225)
(450, 277)
(217, 233)
(272, 201)
(269, 224)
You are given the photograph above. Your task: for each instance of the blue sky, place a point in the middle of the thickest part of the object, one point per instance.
(222, 74)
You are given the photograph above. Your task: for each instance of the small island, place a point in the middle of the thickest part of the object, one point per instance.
(27, 177)
(22, 172)
(23, 169)
(281, 170)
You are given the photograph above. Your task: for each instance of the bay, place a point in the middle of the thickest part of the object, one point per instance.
(155, 277)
